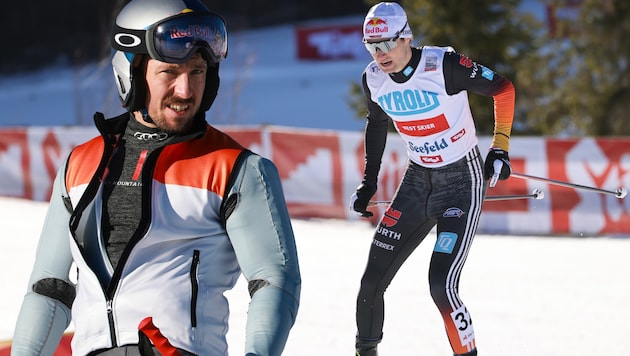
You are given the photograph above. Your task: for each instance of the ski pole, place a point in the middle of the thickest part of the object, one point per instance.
(619, 192)
(536, 194)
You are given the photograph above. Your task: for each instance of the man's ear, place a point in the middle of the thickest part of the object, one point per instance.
(139, 83)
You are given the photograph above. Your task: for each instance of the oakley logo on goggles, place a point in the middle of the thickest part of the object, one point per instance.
(384, 45)
(177, 38)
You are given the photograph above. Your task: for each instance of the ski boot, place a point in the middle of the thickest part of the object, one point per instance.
(367, 351)
(366, 347)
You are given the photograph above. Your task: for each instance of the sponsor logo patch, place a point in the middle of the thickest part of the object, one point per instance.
(431, 159)
(430, 65)
(458, 135)
(487, 73)
(453, 213)
(465, 61)
(425, 127)
(376, 27)
(445, 242)
(390, 218)
(408, 102)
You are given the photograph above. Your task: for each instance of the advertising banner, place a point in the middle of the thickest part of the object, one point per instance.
(321, 169)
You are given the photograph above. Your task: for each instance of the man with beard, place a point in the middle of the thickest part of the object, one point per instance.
(162, 212)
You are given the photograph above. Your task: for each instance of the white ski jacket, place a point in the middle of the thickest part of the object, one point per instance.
(211, 209)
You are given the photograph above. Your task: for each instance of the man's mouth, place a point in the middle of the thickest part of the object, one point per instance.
(178, 107)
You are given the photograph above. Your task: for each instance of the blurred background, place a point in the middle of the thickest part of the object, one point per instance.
(567, 58)
(42, 33)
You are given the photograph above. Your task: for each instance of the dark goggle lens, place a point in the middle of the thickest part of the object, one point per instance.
(385, 46)
(178, 38)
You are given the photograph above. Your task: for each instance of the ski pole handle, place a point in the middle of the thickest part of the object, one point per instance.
(498, 166)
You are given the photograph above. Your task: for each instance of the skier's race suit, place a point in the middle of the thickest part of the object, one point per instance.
(443, 184)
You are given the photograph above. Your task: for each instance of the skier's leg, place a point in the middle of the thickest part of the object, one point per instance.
(385, 259)
(456, 229)
(401, 229)
(446, 265)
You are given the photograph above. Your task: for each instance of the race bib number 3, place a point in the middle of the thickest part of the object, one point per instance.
(463, 323)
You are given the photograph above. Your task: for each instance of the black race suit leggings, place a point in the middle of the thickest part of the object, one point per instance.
(450, 197)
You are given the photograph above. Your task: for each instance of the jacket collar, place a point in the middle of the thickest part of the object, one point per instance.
(112, 129)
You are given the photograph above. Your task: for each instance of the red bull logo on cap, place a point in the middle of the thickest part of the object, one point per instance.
(375, 27)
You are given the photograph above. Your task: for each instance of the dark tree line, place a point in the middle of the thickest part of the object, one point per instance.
(571, 80)
(41, 33)
(574, 80)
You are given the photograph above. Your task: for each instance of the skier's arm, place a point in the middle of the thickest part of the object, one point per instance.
(375, 138)
(462, 73)
(45, 311)
(374, 146)
(260, 230)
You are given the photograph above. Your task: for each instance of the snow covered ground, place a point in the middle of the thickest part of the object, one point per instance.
(528, 296)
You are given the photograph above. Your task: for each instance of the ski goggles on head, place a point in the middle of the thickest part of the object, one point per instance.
(176, 39)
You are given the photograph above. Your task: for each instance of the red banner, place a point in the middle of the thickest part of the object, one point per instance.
(330, 42)
(321, 169)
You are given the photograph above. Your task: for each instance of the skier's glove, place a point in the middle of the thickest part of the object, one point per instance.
(497, 166)
(360, 198)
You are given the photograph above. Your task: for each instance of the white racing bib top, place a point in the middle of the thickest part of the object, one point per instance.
(437, 128)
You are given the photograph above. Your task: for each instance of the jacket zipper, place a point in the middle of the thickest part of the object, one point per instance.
(110, 318)
(144, 220)
(195, 288)
(143, 226)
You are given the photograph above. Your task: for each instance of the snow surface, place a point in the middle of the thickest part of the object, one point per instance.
(528, 296)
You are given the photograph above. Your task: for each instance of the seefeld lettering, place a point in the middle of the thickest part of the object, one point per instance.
(428, 147)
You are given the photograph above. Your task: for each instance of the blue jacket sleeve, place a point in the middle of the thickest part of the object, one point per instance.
(45, 311)
(262, 236)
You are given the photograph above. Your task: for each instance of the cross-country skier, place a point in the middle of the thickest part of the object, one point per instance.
(424, 92)
(162, 212)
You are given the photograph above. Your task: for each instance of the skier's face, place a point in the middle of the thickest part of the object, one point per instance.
(396, 58)
(174, 92)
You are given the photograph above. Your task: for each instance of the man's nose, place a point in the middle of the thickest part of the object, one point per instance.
(182, 86)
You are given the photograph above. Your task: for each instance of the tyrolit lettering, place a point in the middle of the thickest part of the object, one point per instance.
(408, 102)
